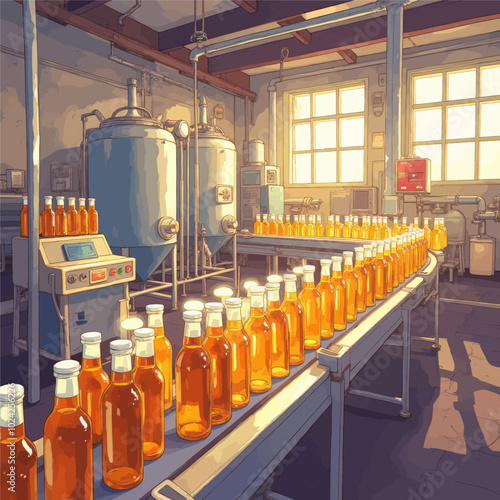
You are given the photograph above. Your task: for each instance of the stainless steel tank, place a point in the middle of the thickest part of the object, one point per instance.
(454, 221)
(132, 174)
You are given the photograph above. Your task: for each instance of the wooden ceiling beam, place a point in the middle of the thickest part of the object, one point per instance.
(81, 6)
(348, 55)
(304, 36)
(250, 6)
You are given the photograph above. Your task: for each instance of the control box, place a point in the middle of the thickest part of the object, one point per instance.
(413, 175)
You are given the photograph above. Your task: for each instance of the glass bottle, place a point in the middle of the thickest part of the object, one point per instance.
(48, 219)
(373, 232)
(311, 229)
(415, 251)
(370, 276)
(346, 228)
(406, 250)
(272, 225)
(426, 246)
(92, 381)
(93, 217)
(71, 217)
(61, 228)
(219, 350)
(67, 439)
(82, 219)
(294, 312)
(193, 383)
(340, 303)
(404, 228)
(299, 273)
(302, 226)
(163, 349)
(288, 226)
(337, 228)
(240, 353)
(148, 378)
(329, 226)
(351, 282)
(259, 331)
(436, 236)
(295, 226)
(257, 225)
(384, 230)
(361, 274)
(421, 241)
(319, 226)
(122, 422)
(401, 255)
(444, 236)
(18, 454)
(380, 272)
(280, 228)
(395, 258)
(364, 229)
(390, 264)
(280, 338)
(427, 233)
(245, 302)
(355, 226)
(264, 227)
(395, 227)
(415, 223)
(327, 294)
(311, 302)
(24, 218)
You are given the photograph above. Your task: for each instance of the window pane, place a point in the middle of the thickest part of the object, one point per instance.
(325, 104)
(428, 125)
(461, 122)
(490, 119)
(462, 84)
(325, 135)
(326, 166)
(428, 89)
(352, 132)
(489, 160)
(352, 166)
(433, 152)
(301, 107)
(460, 161)
(352, 100)
(490, 81)
(302, 167)
(302, 137)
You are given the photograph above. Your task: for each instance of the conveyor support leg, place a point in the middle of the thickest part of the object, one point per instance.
(405, 411)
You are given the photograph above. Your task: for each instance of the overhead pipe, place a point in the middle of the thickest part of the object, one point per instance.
(196, 166)
(273, 134)
(129, 12)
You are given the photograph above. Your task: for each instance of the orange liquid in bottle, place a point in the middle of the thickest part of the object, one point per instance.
(163, 350)
(219, 350)
(396, 264)
(404, 228)
(193, 383)
(364, 230)
(295, 319)
(327, 294)
(402, 256)
(390, 265)
(395, 227)
(92, 382)
(48, 219)
(410, 255)
(60, 220)
(319, 227)
(82, 219)
(370, 276)
(346, 228)
(67, 440)
(380, 273)
(311, 302)
(302, 226)
(24, 218)
(122, 422)
(415, 254)
(295, 226)
(340, 304)
(16, 450)
(93, 217)
(337, 228)
(329, 227)
(71, 216)
(406, 251)
(264, 227)
(280, 229)
(351, 282)
(257, 225)
(373, 231)
(355, 228)
(311, 227)
(240, 353)
(148, 378)
(288, 227)
(444, 235)
(427, 233)
(280, 340)
(259, 331)
(361, 274)
(384, 230)
(272, 225)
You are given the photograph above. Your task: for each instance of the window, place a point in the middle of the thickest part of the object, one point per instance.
(328, 142)
(455, 122)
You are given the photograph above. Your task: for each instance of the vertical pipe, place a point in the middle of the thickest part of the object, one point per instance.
(181, 211)
(196, 167)
(83, 166)
(436, 345)
(235, 266)
(33, 174)
(405, 393)
(272, 122)
(174, 278)
(188, 207)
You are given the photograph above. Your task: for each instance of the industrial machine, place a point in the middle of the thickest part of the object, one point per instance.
(83, 287)
(413, 175)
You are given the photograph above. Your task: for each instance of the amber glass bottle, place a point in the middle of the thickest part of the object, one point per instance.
(364, 229)
(163, 349)
(355, 226)
(93, 217)
(122, 422)
(319, 226)
(351, 282)
(380, 272)
(444, 236)
(337, 228)
(384, 230)
(436, 236)
(240, 353)
(280, 228)
(259, 331)
(82, 218)
(148, 378)
(404, 228)
(407, 256)
(411, 250)
(280, 338)
(311, 302)
(415, 252)
(370, 276)
(219, 350)
(24, 218)
(390, 264)
(340, 303)
(426, 247)
(17, 452)
(92, 381)
(299, 273)
(415, 223)
(327, 294)
(264, 227)
(395, 227)
(373, 231)
(48, 219)
(273, 226)
(288, 226)
(401, 254)
(71, 217)
(67, 440)
(295, 226)
(427, 233)
(193, 383)
(311, 226)
(395, 258)
(329, 226)
(361, 274)
(346, 228)
(294, 312)
(302, 226)
(257, 225)
(61, 228)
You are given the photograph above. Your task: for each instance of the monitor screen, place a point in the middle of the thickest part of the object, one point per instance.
(251, 178)
(360, 199)
(78, 251)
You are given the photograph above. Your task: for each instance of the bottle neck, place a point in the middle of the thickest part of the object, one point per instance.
(48, 207)
(192, 341)
(257, 312)
(233, 314)
(144, 348)
(192, 330)
(12, 417)
(235, 324)
(91, 351)
(257, 302)
(60, 207)
(91, 364)
(273, 305)
(121, 363)
(155, 320)
(214, 320)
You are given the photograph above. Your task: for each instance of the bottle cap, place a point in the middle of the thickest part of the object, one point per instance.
(48, 200)
(91, 337)
(287, 217)
(298, 270)
(81, 201)
(272, 286)
(71, 200)
(358, 249)
(325, 262)
(250, 283)
(223, 292)
(25, 200)
(120, 345)
(68, 367)
(144, 333)
(214, 307)
(154, 308)
(274, 278)
(191, 315)
(264, 216)
(273, 217)
(233, 302)
(308, 269)
(280, 216)
(257, 216)
(336, 258)
(194, 305)
(9, 391)
(347, 254)
(91, 202)
(60, 200)
(290, 277)
(257, 290)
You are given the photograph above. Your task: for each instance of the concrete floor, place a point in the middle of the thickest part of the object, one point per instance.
(448, 449)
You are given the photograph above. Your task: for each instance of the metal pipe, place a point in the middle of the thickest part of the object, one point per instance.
(129, 12)
(196, 166)
(83, 168)
(33, 174)
(209, 275)
(138, 293)
(188, 209)
(181, 204)
(272, 120)
(470, 303)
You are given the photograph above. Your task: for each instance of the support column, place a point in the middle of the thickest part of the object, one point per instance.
(174, 278)
(436, 345)
(405, 397)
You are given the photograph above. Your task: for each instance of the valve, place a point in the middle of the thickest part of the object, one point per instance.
(167, 228)
(229, 224)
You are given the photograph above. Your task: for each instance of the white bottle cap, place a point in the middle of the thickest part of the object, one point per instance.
(368, 250)
(264, 216)
(257, 290)
(91, 202)
(71, 200)
(81, 201)
(47, 200)
(330, 218)
(67, 368)
(144, 333)
(25, 200)
(325, 262)
(191, 316)
(249, 284)
(193, 305)
(298, 270)
(257, 216)
(290, 277)
(233, 302)
(120, 345)
(216, 307)
(405, 219)
(274, 278)
(318, 219)
(287, 218)
(60, 200)
(154, 308)
(273, 217)
(9, 391)
(91, 338)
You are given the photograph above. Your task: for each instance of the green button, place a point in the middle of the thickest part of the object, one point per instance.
(120, 270)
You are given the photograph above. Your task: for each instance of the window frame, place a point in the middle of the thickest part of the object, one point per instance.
(288, 132)
(444, 104)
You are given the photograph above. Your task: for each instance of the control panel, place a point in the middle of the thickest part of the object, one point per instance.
(413, 175)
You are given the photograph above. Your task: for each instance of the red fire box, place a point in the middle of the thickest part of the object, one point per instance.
(413, 175)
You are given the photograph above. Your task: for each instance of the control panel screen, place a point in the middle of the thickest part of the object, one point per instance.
(78, 251)
(251, 178)
(361, 199)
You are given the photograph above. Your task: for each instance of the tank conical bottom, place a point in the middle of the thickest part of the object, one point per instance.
(147, 259)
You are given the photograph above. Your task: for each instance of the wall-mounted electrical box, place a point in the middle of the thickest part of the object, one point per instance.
(15, 179)
(364, 200)
(61, 177)
(413, 175)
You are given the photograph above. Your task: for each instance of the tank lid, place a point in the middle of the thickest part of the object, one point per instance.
(129, 118)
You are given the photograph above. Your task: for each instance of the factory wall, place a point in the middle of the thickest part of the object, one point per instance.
(76, 77)
(431, 57)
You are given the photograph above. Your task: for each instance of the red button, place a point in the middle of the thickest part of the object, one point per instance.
(99, 276)
(112, 272)
(128, 269)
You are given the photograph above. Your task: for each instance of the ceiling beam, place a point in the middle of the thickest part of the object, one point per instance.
(348, 55)
(250, 6)
(81, 6)
(56, 12)
(417, 21)
(302, 36)
(232, 21)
